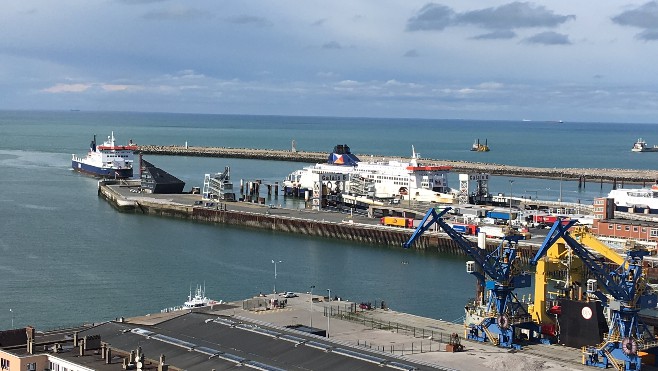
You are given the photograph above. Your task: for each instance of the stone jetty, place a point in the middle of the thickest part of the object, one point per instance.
(585, 175)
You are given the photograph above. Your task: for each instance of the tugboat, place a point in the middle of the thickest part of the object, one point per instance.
(107, 160)
(477, 147)
(642, 146)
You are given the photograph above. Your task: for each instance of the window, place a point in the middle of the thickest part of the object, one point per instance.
(635, 229)
(4, 364)
(609, 226)
(654, 232)
(627, 228)
(618, 227)
(32, 366)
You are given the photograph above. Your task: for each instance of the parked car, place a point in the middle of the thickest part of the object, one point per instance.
(289, 294)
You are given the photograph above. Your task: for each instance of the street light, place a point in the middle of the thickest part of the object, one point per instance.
(328, 312)
(12, 318)
(275, 263)
(510, 202)
(560, 199)
(312, 287)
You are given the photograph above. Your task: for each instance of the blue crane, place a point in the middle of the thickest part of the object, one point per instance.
(502, 317)
(630, 293)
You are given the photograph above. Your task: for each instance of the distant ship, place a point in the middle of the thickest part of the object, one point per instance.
(642, 146)
(107, 160)
(477, 147)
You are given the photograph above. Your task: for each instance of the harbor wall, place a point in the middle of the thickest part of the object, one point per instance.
(361, 233)
(582, 175)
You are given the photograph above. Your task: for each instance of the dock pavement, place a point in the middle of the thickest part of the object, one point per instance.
(429, 349)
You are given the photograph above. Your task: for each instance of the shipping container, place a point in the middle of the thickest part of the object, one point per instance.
(394, 221)
(468, 229)
(503, 215)
(493, 231)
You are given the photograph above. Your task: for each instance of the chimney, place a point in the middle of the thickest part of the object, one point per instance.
(108, 356)
(82, 349)
(132, 357)
(30, 332)
(103, 350)
(162, 359)
(30, 346)
(75, 339)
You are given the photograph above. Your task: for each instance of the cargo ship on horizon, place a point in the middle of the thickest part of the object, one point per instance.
(107, 160)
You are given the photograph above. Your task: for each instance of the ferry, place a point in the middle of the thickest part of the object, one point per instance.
(641, 198)
(344, 173)
(107, 160)
(641, 146)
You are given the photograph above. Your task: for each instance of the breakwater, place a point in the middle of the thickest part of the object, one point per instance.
(309, 226)
(583, 175)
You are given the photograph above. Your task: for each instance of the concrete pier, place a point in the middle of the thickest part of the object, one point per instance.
(581, 175)
(299, 221)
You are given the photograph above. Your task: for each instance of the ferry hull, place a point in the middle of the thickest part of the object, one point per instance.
(101, 172)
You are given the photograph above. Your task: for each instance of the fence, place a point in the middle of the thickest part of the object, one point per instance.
(430, 340)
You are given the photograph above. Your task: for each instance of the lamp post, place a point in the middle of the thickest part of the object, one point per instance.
(560, 199)
(328, 312)
(312, 287)
(275, 263)
(12, 318)
(510, 202)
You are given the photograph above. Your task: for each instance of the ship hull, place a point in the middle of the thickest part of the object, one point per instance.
(101, 172)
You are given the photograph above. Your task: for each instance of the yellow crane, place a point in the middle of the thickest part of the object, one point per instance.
(561, 266)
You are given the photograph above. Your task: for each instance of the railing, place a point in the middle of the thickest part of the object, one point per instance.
(431, 340)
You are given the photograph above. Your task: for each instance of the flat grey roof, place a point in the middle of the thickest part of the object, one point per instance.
(200, 341)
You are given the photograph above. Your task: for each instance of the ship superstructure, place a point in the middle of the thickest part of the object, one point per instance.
(376, 179)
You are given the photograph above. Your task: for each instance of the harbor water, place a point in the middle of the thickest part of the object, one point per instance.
(69, 257)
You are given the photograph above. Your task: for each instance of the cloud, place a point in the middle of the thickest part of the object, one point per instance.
(644, 17)
(249, 20)
(332, 45)
(513, 16)
(502, 19)
(498, 34)
(116, 87)
(67, 88)
(411, 53)
(548, 38)
(134, 2)
(431, 17)
(177, 14)
(319, 22)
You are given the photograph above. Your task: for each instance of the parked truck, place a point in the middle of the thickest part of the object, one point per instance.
(502, 215)
(394, 221)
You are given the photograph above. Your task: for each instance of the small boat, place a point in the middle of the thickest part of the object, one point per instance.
(197, 300)
(477, 147)
(642, 146)
(107, 160)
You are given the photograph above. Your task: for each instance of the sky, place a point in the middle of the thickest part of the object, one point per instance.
(594, 61)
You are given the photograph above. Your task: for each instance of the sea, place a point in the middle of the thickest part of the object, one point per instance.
(68, 257)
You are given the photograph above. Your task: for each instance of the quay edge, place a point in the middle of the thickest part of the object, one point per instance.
(298, 222)
(589, 175)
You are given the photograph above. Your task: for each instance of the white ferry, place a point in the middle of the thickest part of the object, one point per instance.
(639, 197)
(107, 160)
(393, 179)
(642, 146)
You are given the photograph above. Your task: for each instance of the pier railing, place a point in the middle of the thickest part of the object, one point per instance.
(429, 340)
